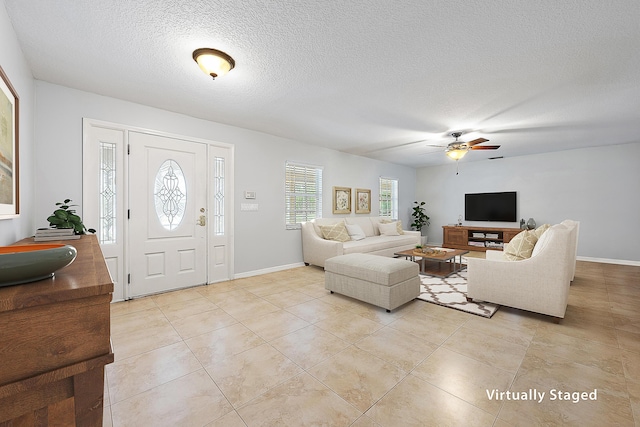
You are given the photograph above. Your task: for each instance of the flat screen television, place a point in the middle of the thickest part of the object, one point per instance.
(498, 207)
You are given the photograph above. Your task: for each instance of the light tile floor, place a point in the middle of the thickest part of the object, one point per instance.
(278, 349)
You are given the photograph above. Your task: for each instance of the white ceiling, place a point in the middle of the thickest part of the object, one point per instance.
(368, 77)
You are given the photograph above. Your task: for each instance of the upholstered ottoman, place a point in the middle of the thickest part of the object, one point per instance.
(378, 280)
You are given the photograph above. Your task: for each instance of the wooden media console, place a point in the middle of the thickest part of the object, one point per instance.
(461, 237)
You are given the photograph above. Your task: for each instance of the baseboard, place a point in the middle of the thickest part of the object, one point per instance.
(268, 270)
(609, 261)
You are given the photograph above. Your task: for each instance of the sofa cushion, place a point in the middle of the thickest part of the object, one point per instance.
(337, 232)
(364, 223)
(355, 231)
(540, 230)
(318, 222)
(544, 240)
(388, 221)
(388, 229)
(521, 246)
(378, 243)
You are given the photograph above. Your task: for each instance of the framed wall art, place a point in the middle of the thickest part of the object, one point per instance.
(9, 165)
(341, 200)
(363, 201)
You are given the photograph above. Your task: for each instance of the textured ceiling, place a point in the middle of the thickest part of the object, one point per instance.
(368, 77)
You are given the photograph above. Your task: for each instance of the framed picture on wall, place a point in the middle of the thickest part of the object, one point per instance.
(341, 200)
(9, 188)
(363, 201)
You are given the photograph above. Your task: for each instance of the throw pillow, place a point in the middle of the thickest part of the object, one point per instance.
(337, 232)
(390, 229)
(544, 240)
(398, 224)
(521, 246)
(355, 231)
(540, 230)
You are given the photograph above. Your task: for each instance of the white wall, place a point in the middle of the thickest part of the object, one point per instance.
(16, 68)
(261, 241)
(600, 187)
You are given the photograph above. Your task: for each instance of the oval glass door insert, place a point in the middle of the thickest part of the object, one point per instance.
(170, 194)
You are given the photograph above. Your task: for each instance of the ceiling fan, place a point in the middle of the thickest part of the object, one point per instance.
(457, 149)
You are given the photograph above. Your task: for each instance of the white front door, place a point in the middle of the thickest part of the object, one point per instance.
(168, 213)
(117, 185)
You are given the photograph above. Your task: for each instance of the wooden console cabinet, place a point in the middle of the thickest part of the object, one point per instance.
(459, 237)
(55, 342)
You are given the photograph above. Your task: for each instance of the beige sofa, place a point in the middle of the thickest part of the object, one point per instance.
(316, 249)
(539, 284)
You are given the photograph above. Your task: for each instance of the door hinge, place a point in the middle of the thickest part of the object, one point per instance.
(129, 278)
(128, 213)
(128, 148)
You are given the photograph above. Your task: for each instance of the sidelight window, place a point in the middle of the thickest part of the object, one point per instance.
(107, 227)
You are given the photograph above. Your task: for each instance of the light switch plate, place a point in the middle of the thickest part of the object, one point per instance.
(249, 194)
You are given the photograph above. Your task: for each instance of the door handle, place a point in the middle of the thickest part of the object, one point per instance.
(202, 221)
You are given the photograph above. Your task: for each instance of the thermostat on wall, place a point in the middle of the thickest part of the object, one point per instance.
(249, 194)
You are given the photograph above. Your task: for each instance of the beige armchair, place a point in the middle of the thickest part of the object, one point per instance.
(574, 227)
(539, 284)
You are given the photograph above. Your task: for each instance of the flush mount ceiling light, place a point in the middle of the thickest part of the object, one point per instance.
(213, 62)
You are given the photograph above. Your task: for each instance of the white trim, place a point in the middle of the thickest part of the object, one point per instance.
(268, 270)
(306, 165)
(609, 261)
(117, 126)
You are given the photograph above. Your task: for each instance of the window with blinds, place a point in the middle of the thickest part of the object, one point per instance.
(389, 198)
(303, 194)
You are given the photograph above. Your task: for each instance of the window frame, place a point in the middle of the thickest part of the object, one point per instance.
(392, 211)
(310, 202)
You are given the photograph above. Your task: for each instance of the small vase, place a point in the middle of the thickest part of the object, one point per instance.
(531, 224)
(423, 240)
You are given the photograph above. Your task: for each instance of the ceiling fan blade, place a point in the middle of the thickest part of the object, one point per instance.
(485, 147)
(476, 141)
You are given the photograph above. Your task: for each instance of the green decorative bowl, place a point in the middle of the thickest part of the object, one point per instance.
(29, 263)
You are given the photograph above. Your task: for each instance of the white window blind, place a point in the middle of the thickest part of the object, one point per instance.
(303, 193)
(389, 198)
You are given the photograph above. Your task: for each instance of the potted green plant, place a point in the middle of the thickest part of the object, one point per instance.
(65, 217)
(420, 219)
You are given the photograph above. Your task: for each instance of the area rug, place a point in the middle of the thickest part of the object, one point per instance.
(452, 292)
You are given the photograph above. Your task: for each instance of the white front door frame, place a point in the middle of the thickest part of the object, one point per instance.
(117, 255)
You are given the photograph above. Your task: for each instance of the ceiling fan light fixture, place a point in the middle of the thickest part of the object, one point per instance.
(213, 62)
(456, 153)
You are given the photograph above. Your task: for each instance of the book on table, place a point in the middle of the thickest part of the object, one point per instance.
(50, 234)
